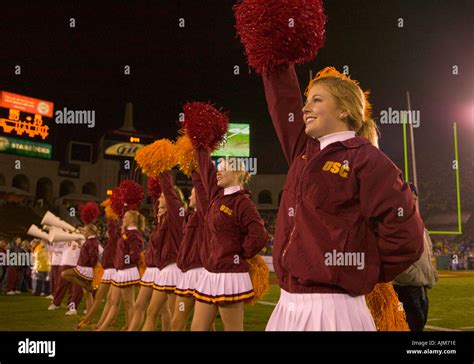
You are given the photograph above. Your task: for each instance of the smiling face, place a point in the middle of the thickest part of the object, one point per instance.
(321, 114)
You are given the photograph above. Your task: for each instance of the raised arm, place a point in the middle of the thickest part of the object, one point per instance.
(173, 204)
(202, 200)
(207, 172)
(285, 104)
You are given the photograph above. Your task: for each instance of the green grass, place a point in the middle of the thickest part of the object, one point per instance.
(451, 307)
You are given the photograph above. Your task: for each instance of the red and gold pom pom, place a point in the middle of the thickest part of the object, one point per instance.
(259, 275)
(185, 155)
(205, 125)
(154, 188)
(276, 32)
(89, 212)
(131, 194)
(157, 157)
(109, 211)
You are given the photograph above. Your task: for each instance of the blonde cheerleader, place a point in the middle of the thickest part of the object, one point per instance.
(127, 259)
(171, 212)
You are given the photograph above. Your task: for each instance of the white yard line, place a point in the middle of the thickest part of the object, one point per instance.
(437, 328)
(267, 303)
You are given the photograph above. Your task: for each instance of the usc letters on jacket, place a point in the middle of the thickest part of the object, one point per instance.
(337, 168)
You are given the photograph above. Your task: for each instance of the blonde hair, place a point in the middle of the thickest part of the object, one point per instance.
(92, 229)
(180, 195)
(350, 98)
(244, 177)
(138, 219)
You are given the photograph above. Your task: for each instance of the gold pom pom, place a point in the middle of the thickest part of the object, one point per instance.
(185, 154)
(259, 275)
(109, 212)
(157, 157)
(386, 309)
(98, 273)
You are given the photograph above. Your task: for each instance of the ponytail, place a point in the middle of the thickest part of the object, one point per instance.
(370, 131)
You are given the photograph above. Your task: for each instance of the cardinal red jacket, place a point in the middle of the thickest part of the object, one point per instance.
(345, 202)
(169, 232)
(108, 254)
(89, 253)
(129, 246)
(189, 249)
(233, 229)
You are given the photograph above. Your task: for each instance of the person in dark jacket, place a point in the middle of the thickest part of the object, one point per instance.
(412, 285)
(12, 270)
(346, 219)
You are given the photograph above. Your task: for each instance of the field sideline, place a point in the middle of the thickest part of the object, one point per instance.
(451, 308)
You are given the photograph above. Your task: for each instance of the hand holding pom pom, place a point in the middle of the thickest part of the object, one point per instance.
(280, 32)
(205, 125)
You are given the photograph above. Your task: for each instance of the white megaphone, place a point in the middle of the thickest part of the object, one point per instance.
(38, 233)
(61, 235)
(50, 219)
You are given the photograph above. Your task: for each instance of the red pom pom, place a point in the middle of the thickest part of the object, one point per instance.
(205, 125)
(154, 188)
(280, 32)
(131, 194)
(116, 201)
(89, 212)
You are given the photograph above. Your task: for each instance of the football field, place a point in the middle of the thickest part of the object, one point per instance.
(451, 308)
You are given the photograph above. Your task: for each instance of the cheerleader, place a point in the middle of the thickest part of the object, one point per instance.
(188, 259)
(83, 273)
(127, 258)
(171, 212)
(107, 262)
(343, 198)
(148, 278)
(233, 232)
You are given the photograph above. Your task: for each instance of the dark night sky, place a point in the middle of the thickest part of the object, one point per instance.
(82, 68)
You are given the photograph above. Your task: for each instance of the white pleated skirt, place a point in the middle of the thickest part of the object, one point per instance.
(86, 273)
(126, 277)
(187, 284)
(320, 312)
(149, 276)
(167, 278)
(223, 288)
(108, 275)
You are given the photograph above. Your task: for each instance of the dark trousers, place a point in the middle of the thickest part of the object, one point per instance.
(12, 277)
(415, 303)
(41, 283)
